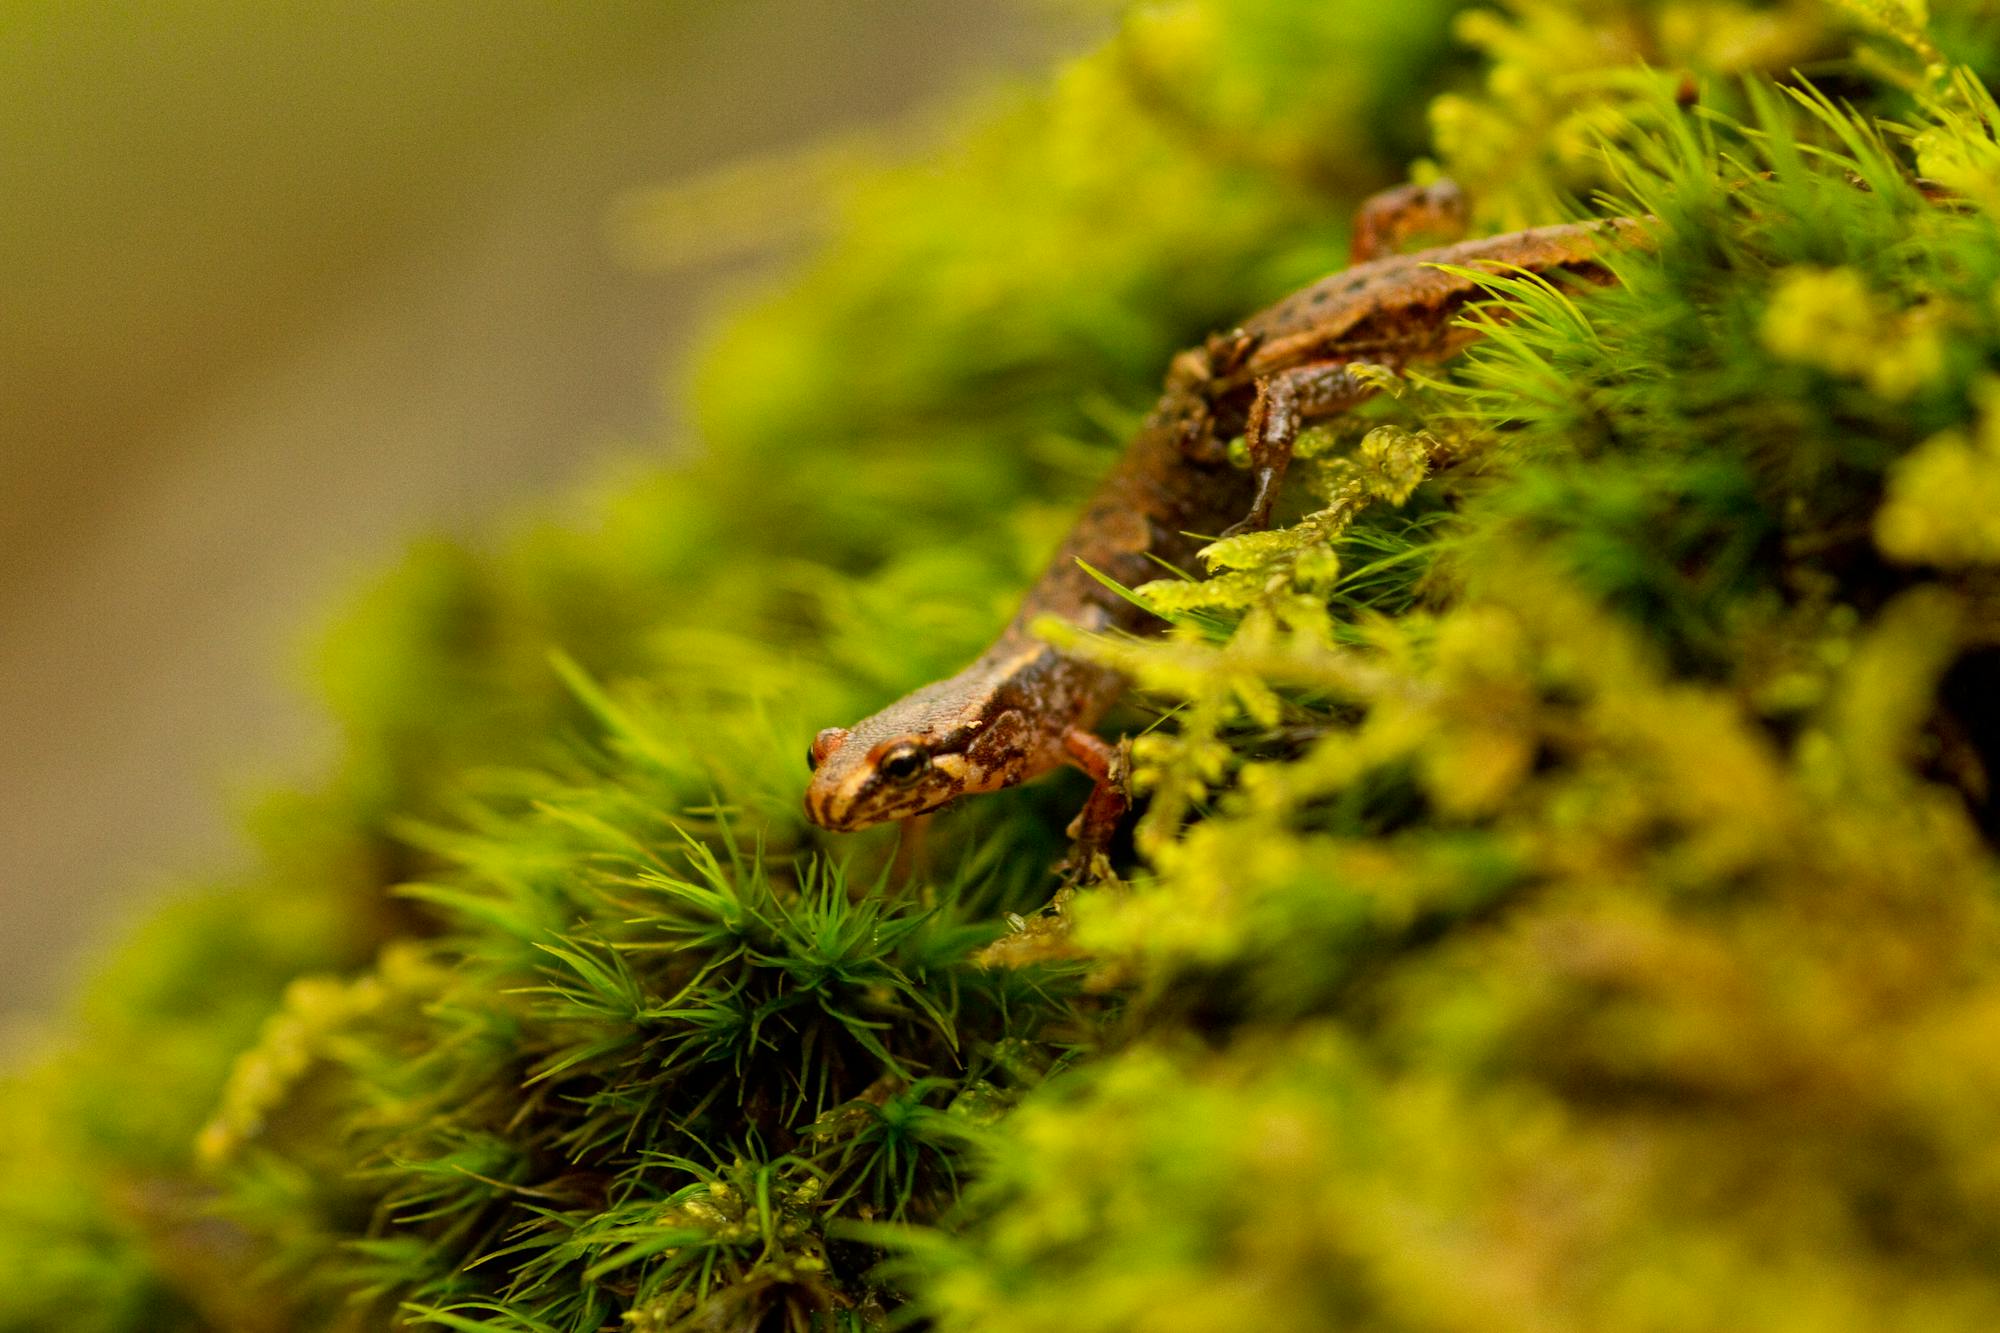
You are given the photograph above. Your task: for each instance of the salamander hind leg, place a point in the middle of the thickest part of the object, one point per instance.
(1386, 223)
(1185, 410)
(1285, 402)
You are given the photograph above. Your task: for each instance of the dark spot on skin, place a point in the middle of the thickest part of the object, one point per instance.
(1321, 296)
(1004, 744)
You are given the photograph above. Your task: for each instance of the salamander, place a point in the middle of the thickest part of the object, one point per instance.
(1022, 708)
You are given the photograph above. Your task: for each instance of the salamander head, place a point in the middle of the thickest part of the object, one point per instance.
(945, 741)
(856, 784)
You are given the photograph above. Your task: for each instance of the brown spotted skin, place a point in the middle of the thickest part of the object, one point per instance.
(1392, 312)
(1403, 307)
(1004, 719)
(1022, 708)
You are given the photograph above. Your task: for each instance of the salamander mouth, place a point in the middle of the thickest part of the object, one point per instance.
(868, 807)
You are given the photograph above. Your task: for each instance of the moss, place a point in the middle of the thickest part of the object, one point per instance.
(1596, 960)
(1563, 897)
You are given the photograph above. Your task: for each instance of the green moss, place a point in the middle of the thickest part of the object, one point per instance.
(1564, 893)
(1608, 955)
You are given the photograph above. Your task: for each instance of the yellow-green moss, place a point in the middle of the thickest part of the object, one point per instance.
(1564, 894)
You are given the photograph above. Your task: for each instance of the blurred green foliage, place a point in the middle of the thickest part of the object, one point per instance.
(223, 169)
(1564, 897)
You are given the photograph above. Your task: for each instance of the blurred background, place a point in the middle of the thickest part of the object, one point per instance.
(284, 285)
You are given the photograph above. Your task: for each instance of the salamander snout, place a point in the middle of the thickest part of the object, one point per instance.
(856, 785)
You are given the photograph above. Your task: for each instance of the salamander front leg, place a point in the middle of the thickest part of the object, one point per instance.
(1092, 830)
(913, 838)
(1285, 402)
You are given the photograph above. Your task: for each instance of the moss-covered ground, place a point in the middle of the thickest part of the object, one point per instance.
(1563, 896)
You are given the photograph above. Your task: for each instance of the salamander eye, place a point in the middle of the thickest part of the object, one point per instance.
(824, 744)
(903, 763)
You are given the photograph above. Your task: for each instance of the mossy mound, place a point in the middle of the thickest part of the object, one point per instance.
(1564, 891)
